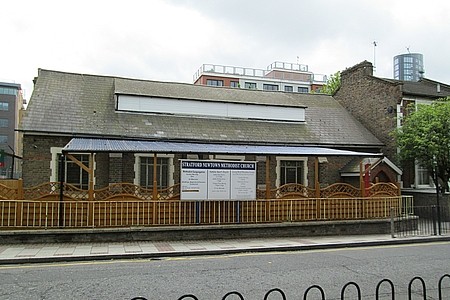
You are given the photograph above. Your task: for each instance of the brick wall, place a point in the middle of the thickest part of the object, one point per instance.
(115, 168)
(37, 158)
(128, 167)
(372, 101)
(329, 170)
(101, 170)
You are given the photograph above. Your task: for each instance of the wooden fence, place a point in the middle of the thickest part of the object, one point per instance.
(14, 190)
(124, 205)
(125, 213)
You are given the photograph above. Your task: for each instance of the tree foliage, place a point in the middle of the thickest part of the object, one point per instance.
(425, 137)
(333, 84)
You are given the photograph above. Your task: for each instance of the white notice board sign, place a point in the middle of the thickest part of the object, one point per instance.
(218, 180)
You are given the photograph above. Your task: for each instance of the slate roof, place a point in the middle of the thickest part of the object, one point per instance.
(425, 88)
(84, 106)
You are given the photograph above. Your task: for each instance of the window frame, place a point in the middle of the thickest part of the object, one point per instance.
(4, 123)
(302, 90)
(83, 176)
(54, 165)
(4, 106)
(251, 85)
(217, 82)
(421, 173)
(271, 87)
(289, 88)
(4, 139)
(302, 159)
(137, 168)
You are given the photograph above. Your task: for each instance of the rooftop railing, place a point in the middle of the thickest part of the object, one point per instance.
(285, 69)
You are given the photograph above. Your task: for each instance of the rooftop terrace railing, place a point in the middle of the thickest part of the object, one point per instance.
(272, 71)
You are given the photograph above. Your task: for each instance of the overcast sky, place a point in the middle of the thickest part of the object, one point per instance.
(169, 40)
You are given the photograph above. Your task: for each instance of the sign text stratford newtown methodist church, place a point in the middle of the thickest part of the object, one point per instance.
(218, 165)
(218, 180)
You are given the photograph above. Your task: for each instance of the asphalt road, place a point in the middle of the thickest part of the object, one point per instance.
(251, 274)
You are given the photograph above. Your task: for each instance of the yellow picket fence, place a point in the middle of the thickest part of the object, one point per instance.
(125, 204)
(126, 213)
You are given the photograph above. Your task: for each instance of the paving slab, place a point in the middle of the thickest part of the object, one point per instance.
(58, 252)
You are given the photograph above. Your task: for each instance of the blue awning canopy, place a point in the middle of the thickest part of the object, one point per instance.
(92, 145)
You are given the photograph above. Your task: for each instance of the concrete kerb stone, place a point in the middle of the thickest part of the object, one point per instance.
(197, 232)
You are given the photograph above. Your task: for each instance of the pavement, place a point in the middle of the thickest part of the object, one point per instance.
(65, 252)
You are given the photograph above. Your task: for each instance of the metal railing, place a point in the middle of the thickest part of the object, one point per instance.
(288, 71)
(124, 213)
(422, 221)
(390, 292)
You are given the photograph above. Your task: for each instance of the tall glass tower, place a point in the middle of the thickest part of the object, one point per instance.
(408, 67)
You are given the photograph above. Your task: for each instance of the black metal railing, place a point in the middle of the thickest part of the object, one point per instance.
(443, 291)
(423, 221)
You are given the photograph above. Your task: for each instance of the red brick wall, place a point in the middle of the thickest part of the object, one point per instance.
(226, 80)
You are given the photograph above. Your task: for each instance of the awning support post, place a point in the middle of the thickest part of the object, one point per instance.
(91, 176)
(361, 179)
(62, 168)
(155, 175)
(267, 177)
(316, 177)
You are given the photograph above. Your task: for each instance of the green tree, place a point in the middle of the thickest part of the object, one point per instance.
(425, 137)
(333, 84)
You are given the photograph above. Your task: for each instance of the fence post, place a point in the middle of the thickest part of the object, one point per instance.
(438, 212)
(238, 212)
(197, 212)
(392, 222)
(433, 217)
(20, 193)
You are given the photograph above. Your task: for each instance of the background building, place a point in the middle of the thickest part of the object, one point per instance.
(278, 76)
(408, 67)
(11, 105)
(379, 104)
